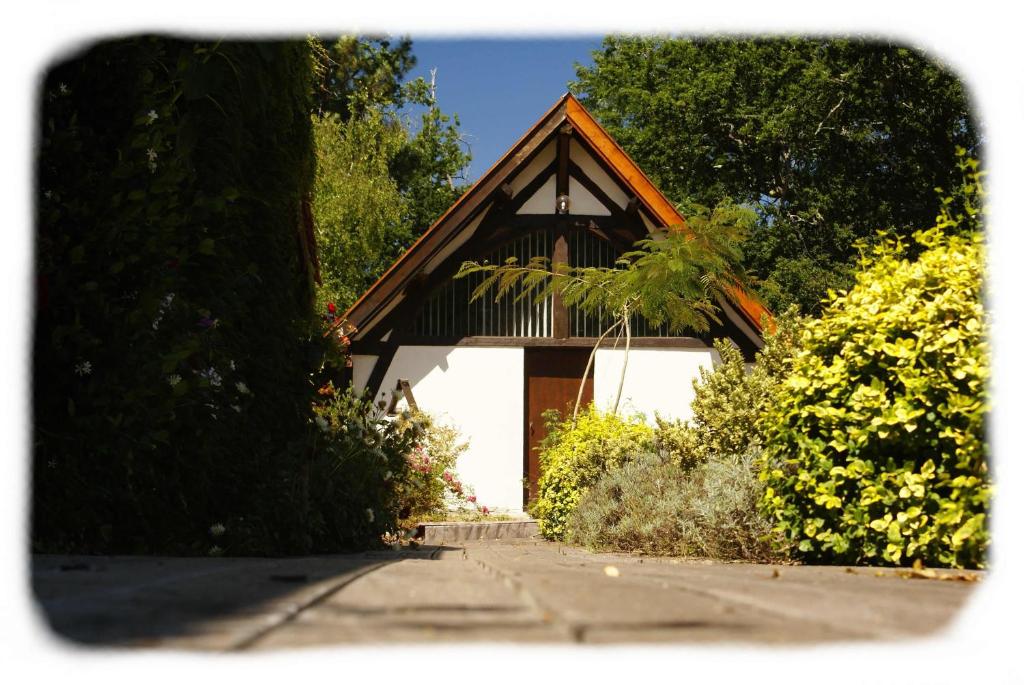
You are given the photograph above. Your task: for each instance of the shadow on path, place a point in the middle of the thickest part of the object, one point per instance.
(219, 603)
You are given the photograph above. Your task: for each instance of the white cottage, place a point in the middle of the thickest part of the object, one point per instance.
(567, 191)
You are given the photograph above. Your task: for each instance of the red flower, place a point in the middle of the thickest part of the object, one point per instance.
(485, 510)
(471, 498)
(331, 308)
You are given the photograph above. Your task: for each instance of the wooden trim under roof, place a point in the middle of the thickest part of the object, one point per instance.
(566, 109)
(658, 205)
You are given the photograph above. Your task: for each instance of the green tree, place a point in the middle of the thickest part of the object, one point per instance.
(360, 213)
(828, 140)
(356, 73)
(389, 161)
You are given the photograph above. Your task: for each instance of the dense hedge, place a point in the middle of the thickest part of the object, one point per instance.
(875, 451)
(171, 351)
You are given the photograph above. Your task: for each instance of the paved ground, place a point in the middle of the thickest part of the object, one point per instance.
(513, 590)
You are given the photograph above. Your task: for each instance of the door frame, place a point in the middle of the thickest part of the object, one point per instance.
(561, 346)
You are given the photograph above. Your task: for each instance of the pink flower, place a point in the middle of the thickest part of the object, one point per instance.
(471, 498)
(447, 476)
(485, 510)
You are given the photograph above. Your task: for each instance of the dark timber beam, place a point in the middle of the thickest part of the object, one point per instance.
(513, 205)
(633, 206)
(438, 236)
(682, 341)
(560, 250)
(596, 191)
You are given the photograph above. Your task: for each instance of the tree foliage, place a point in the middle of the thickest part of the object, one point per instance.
(360, 212)
(356, 74)
(174, 302)
(875, 447)
(828, 140)
(389, 161)
(730, 398)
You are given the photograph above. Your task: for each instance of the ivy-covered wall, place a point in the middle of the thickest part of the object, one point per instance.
(173, 335)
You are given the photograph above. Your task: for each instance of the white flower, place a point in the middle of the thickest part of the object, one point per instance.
(83, 369)
(151, 153)
(322, 423)
(242, 387)
(64, 90)
(217, 529)
(369, 515)
(236, 408)
(212, 376)
(231, 364)
(166, 302)
(156, 322)
(387, 476)
(48, 194)
(152, 116)
(173, 379)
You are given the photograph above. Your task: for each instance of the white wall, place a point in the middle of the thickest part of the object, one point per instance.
(362, 367)
(543, 199)
(593, 170)
(657, 379)
(479, 390)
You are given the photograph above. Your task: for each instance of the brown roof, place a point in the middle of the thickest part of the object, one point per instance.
(566, 109)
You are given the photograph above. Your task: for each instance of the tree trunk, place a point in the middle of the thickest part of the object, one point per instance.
(625, 361)
(586, 371)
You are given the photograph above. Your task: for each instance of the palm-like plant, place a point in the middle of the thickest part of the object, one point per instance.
(674, 277)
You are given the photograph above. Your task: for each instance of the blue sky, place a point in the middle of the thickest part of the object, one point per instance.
(499, 88)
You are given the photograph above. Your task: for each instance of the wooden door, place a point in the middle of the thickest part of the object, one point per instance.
(552, 382)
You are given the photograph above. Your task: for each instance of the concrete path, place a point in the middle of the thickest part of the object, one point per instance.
(513, 590)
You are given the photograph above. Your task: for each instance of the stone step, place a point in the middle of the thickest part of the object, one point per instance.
(446, 532)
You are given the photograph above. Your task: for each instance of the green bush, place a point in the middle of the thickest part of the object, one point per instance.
(875, 450)
(730, 398)
(361, 471)
(574, 455)
(652, 506)
(699, 497)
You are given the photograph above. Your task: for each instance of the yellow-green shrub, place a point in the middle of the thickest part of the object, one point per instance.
(730, 398)
(875, 449)
(574, 455)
